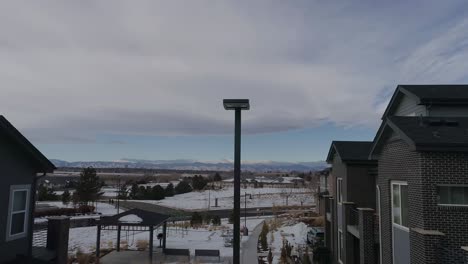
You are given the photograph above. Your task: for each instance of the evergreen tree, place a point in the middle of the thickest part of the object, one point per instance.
(217, 177)
(66, 197)
(46, 194)
(134, 191)
(89, 186)
(199, 182)
(183, 187)
(122, 193)
(157, 192)
(169, 191)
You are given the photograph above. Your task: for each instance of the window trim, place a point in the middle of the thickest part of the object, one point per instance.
(339, 190)
(391, 197)
(450, 185)
(340, 245)
(404, 228)
(13, 189)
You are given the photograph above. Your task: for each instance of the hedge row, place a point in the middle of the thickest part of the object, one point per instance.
(83, 209)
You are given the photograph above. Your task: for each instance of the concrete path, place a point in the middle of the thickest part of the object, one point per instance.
(249, 247)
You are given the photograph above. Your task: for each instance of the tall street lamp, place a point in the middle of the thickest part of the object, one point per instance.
(237, 105)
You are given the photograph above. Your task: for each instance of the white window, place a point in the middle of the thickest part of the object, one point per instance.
(339, 190)
(454, 195)
(400, 204)
(340, 246)
(18, 212)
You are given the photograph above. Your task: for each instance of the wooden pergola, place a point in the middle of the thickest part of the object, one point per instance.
(133, 220)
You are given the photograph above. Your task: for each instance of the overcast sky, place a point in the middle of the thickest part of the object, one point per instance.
(104, 80)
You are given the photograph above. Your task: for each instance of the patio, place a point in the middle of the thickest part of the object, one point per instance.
(136, 257)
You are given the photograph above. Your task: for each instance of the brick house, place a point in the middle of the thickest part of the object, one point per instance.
(420, 209)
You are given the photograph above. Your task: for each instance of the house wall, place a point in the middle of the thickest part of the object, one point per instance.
(338, 171)
(16, 170)
(361, 185)
(396, 162)
(409, 107)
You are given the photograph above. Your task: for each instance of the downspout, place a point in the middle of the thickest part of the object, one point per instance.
(32, 206)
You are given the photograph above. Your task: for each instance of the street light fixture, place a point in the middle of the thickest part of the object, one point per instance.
(237, 105)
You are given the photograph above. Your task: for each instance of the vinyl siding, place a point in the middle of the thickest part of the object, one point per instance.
(409, 107)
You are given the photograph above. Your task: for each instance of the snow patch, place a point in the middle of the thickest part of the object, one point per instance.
(131, 218)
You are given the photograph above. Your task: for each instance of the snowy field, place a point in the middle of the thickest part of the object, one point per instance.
(261, 197)
(83, 239)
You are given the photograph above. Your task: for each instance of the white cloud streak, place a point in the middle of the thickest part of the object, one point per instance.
(71, 70)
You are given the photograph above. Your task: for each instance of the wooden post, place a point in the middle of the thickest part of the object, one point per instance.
(119, 228)
(57, 237)
(98, 241)
(164, 234)
(151, 242)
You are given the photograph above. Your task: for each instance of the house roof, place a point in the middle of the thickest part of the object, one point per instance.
(429, 94)
(426, 133)
(350, 151)
(42, 164)
(135, 217)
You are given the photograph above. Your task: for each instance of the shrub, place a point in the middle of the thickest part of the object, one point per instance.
(141, 244)
(216, 220)
(197, 219)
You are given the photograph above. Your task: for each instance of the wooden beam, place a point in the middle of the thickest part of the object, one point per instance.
(98, 242)
(119, 228)
(151, 242)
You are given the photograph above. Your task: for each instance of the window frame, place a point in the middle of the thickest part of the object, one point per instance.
(450, 185)
(340, 246)
(339, 190)
(13, 189)
(399, 183)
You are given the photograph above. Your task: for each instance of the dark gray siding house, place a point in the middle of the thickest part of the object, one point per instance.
(354, 174)
(20, 162)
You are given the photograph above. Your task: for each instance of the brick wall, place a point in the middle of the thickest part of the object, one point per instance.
(423, 171)
(396, 162)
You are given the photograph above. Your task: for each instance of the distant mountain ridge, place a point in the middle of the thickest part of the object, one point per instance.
(224, 165)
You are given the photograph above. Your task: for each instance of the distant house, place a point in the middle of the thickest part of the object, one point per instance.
(418, 209)
(20, 163)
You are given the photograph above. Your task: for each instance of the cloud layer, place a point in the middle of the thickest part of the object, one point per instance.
(71, 70)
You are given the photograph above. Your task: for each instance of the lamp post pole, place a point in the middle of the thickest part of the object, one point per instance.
(237, 157)
(237, 105)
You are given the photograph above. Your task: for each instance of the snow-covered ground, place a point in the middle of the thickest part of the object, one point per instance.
(210, 237)
(261, 197)
(293, 232)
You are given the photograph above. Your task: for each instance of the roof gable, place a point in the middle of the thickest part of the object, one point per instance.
(42, 164)
(350, 151)
(425, 133)
(428, 94)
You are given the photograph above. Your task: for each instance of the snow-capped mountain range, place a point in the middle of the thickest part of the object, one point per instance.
(221, 165)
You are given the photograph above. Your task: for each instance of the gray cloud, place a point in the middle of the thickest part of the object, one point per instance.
(71, 70)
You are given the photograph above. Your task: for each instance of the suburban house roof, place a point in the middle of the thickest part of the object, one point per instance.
(429, 94)
(350, 151)
(42, 164)
(425, 133)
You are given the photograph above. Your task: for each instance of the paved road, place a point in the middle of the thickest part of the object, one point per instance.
(249, 247)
